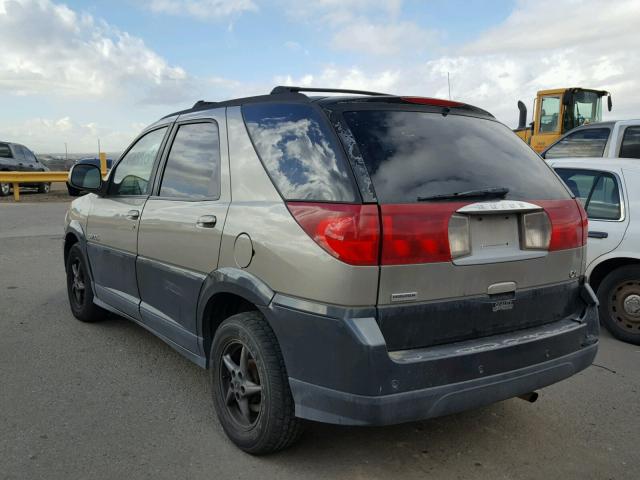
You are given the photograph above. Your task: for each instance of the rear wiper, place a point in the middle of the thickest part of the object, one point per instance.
(481, 193)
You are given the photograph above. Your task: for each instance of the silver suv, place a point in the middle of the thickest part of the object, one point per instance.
(363, 259)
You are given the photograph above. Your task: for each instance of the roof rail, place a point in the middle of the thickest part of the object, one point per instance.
(203, 104)
(291, 89)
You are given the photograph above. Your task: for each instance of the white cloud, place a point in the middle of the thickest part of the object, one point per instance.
(48, 135)
(584, 43)
(384, 39)
(46, 48)
(202, 9)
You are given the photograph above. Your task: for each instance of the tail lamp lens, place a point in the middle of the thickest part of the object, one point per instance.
(459, 238)
(569, 227)
(416, 233)
(350, 233)
(536, 231)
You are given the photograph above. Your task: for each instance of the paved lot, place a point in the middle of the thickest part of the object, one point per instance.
(110, 400)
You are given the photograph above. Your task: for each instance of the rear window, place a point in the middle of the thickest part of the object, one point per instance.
(5, 151)
(630, 147)
(411, 154)
(589, 142)
(299, 152)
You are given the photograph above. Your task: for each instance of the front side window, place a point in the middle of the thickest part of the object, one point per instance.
(630, 147)
(589, 142)
(598, 191)
(133, 172)
(193, 165)
(5, 151)
(299, 152)
(414, 154)
(549, 114)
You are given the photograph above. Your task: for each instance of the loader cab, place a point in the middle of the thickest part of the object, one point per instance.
(558, 111)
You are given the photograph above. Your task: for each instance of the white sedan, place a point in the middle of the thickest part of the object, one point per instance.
(609, 188)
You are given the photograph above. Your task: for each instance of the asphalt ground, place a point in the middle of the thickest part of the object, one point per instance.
(111, 401)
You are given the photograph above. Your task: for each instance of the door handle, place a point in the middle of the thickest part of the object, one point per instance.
(133, 214)
(593, 234)
(207, 221)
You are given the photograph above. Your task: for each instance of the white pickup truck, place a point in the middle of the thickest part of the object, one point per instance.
(611, 139)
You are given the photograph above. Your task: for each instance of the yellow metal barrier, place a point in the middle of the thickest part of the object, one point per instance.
(16, 178)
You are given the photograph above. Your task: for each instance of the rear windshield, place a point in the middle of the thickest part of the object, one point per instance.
(5, 151)
(589, 142)
(300, 152)
(411, 154)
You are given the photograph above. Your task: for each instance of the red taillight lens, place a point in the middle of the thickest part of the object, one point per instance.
(585, 222)
(436, 102)
(350, 233)
(416, 233)
(568, 225)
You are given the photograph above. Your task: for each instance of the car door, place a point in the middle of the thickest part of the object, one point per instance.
(112, 226)
(603, 196)
(181, 227)
(18, 156)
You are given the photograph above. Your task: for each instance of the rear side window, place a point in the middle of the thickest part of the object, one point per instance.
(589, 142)
(630, 147)
(299, 152)
(5, 151)
(411, 154)
(193, 165)
(598, 191)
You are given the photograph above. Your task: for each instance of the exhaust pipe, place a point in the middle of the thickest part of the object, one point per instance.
(529, 397)
(522, 119)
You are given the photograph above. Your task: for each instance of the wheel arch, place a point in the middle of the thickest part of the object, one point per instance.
(598, 272)
(226, 292)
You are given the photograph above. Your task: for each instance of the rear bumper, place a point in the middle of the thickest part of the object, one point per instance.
(340, 370)
(325, 405)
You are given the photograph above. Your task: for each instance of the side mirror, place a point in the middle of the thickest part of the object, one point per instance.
(85, 177)
(609, 104)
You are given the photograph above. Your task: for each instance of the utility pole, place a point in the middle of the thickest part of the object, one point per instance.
(66, 153)
(99, 147)
(449, 85)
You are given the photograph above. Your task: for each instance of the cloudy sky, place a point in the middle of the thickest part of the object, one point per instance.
(77, 71)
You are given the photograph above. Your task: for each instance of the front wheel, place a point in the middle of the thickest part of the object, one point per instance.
(5, 189)
(619, 295)
(250, 386)
(79, 288)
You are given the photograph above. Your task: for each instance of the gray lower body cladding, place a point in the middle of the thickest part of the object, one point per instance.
(448, 321)
(341, 371)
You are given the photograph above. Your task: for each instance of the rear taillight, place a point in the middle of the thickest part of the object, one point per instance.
(568, 224)
(585, 222)
(349, 232)
(536, 231)
(418, 233)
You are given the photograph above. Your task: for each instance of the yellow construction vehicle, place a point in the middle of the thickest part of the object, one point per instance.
(557, 111)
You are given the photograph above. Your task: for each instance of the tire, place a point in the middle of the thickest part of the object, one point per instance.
(79, 288)
(73, 192)
(267, 423)
(5, 189)
(44, 188)
(619, 295)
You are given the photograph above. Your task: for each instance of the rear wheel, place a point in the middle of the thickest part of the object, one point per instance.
(44, 188)
(5, 189)
(619, 295)
(79, 288)
(250, 386)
